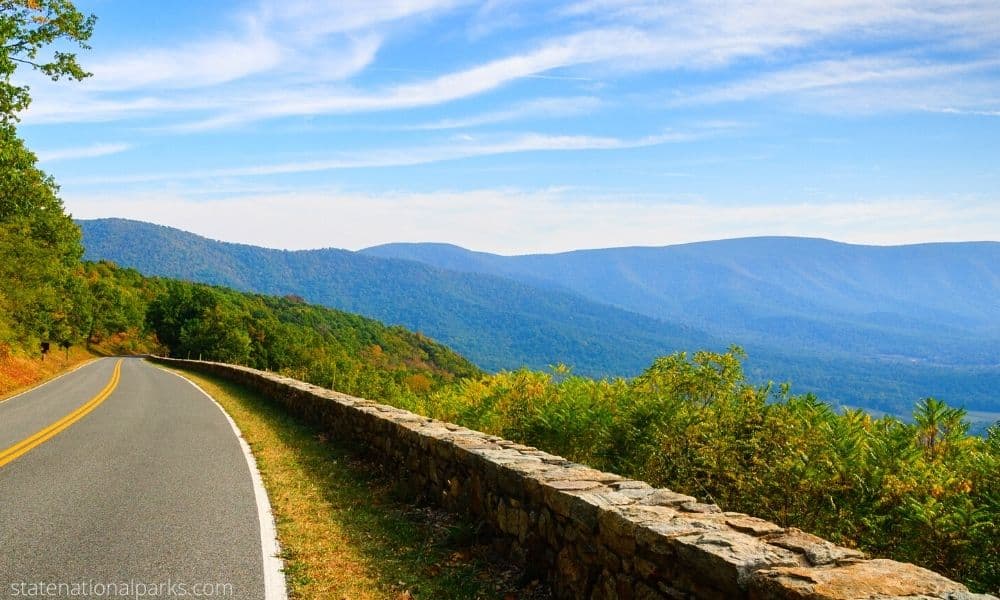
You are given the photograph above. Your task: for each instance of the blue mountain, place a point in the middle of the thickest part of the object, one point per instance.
(876, 327)
(496, 322)
(930, 303)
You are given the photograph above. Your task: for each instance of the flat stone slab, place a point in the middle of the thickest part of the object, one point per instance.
(862, 580)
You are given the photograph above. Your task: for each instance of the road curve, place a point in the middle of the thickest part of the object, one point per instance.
(148, 488)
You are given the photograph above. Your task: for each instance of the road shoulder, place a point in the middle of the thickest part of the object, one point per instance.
(274, 578)
(345, 531)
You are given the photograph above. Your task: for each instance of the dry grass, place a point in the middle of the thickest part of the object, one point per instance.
(19, 372)
(344, 532)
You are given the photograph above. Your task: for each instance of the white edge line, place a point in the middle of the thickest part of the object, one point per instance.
(59, 376)
(274, 578)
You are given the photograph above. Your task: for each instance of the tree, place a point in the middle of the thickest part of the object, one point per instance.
(937, 425)
(28, 195)
(26, 28)
(39, 247)
(39, 244)
(114, 308)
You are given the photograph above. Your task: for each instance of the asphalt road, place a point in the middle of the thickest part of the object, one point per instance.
(149, 488)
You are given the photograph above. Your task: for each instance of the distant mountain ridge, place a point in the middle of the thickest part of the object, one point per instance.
(496, 322)
(856, 325)
(876, 301)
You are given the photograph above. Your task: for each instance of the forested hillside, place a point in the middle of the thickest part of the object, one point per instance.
(130, 312)
(47, 294)
(520, 311)
(869, 326)
(932, 303)
(496, 322)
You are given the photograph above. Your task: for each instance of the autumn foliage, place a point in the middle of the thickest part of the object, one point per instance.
(921, 490)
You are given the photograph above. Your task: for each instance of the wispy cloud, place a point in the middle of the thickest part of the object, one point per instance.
(194, 65)
(762, 26)
(542, 107)
(832, 77)
(317, 18)
(357, 88)
(466, 147)
(959, 111)
(300, 58)
(319, 100)
(77, 105)
(324, 41)
(91, 151)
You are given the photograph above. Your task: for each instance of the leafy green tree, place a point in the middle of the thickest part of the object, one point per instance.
(41, 295)
(40, 247)
(27, 28)
(218, 331)
(112, 306)
(938, 425)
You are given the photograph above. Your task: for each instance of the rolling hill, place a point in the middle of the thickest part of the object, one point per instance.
(862, 326)
(496, 322)
(928, 303)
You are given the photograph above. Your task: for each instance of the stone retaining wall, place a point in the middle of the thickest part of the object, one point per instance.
(592, 534)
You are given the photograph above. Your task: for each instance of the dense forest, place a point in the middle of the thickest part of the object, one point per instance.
(924, 491)
(496, 322)
(501, 320)
(132, 313)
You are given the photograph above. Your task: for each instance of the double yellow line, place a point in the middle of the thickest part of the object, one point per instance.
(28, 444)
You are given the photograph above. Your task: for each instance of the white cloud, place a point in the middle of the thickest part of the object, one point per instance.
(78, 106)
(325, 41)
(91, 151)
(493, 16)
(468, 147)
(90, 104)
(319, 100)
(748, 23)
(960, 111)
(542, 107)
(624, 48)
(319, 18)
(292, 57)
(519, 221)
(194, 65)
(832, 79)
(267, 51)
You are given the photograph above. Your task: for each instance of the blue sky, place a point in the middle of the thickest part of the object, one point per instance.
(516, 126)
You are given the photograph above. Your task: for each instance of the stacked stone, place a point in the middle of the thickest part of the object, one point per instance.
(593, 534)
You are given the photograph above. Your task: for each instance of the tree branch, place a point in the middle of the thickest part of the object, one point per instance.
(27, 62)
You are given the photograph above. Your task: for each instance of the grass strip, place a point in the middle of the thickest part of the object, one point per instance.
(344, 530)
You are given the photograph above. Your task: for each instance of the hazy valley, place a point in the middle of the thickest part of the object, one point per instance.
(875, 327)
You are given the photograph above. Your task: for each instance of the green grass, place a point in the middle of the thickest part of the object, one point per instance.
(344, 530)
